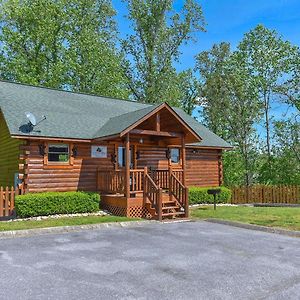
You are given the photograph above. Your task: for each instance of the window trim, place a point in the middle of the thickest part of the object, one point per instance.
(57, 164)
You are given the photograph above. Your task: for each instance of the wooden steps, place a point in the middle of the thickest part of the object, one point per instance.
(170, 208)
(174, 214)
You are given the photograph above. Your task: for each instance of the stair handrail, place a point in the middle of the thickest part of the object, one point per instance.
(179, 191)
(154, 194)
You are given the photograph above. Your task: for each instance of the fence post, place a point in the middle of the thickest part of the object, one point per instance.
(6, 201)
(12, 200)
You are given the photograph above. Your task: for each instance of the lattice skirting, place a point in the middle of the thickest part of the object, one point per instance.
(131, 212)
(115, 210)
(138, 212)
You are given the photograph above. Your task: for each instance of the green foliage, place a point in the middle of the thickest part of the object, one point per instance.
(268, 59)
(198, 195)
(211, 67)
(94, 63)
(50, 203)
(189, 89)
(239, 90)
(231, 105)
(61, 44)
(158, 33)
(233, 168)
(31, 41)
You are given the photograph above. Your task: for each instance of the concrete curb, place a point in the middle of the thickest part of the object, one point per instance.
(66, 229)
(256, 227)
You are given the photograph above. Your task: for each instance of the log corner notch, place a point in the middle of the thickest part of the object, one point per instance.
(220, 168)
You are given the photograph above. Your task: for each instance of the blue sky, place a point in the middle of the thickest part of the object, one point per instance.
(228, 20)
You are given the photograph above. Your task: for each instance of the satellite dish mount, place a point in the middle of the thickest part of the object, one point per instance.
(32, 122)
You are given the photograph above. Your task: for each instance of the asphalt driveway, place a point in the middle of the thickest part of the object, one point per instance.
(195, 260)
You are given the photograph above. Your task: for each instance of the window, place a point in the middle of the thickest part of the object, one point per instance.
(58, 153)
(121, 157)
(175, 155)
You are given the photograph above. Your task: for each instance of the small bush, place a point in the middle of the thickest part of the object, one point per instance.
(51, 203)
(198, 195)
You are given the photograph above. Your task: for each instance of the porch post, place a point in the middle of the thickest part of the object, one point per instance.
(127, 167)
(186, 190)
(183, 158)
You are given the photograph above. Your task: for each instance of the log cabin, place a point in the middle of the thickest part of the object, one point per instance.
(141, 158)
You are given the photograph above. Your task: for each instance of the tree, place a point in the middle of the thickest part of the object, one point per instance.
(242, 112)
(231, 108)
(289, 90)
(214, 93)
(189, 91)
(94, 63)
(269, 59)
(62, 44)
(159, 32)
(287, 152)
(32, 36)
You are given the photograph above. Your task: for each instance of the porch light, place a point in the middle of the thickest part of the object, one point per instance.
(42, 149)
(74, 151)
(141, 141)
(168, 154)
(113, 158)
(138, 154)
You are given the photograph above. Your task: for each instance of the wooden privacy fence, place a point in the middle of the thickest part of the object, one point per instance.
(7, 200)
(266, 194)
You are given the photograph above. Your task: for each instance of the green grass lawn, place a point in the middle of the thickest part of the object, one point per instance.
(284, 217)
(18, 225)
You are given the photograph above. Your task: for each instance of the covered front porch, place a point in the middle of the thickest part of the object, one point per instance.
(147, 178)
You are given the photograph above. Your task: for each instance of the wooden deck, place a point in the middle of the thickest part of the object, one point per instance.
(155, 194)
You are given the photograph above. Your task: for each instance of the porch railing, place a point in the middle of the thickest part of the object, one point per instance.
(161, 176)
(149, 183)
(113, 181)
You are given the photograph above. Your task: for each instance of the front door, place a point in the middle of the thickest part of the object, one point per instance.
(121, 157)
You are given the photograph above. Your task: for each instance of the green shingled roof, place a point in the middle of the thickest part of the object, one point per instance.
(80, 116)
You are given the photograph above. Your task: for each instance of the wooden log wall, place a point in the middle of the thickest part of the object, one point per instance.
(79, 176)
(152, 157)
(203, 166)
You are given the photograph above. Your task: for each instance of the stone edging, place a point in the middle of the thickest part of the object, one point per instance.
(287, 232)
(65, 229)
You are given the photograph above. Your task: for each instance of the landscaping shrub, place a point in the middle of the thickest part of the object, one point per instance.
(198, 195)
(51, 203)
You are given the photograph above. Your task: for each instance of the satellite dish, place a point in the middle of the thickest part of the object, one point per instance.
(32, 119)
